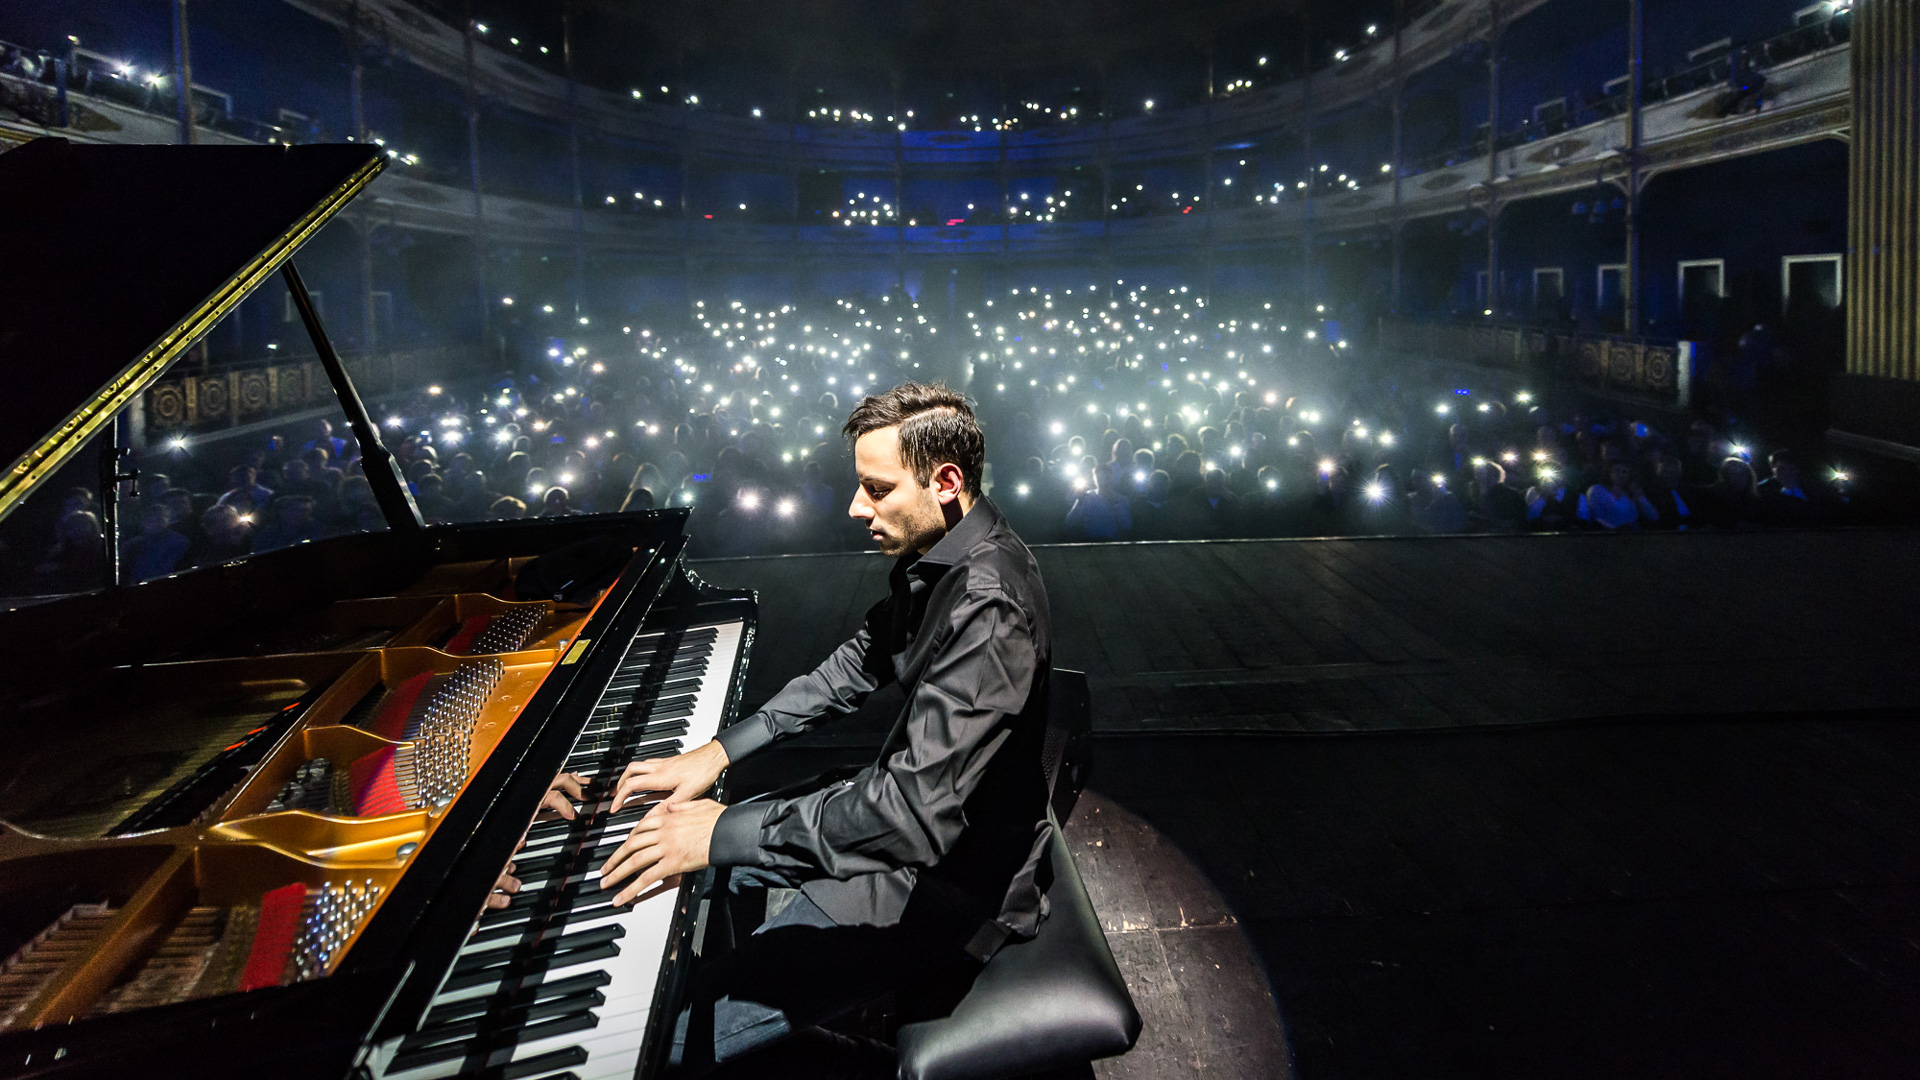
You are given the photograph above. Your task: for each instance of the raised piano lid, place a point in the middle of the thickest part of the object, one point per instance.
(127, 255)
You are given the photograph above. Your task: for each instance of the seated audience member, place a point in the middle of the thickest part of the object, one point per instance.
(356, 497)
(638, 499)
(225, 535)
(324, 438)
(322, 470)
(1332, 510)
(1455, 459)
(1671, 506)
(158, 550)
(1101, 512)
(1384, 510)
(179, 503)
(241, 499)
(293, 522)
(1215, 508)
(1733, 502)
(297, 479)
(1497, 507)
(1553, 505)
(1436, 509)
(1699, 464)
(555, 503)
(242, 478)
(1784, 499)
(1151, 512)
(1265, 510)
(76, 500)
(429, 496)
(815, 492)
(508, 508)
(1620, 503)
(76, 561)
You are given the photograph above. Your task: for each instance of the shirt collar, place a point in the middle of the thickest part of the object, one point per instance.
(951, 548)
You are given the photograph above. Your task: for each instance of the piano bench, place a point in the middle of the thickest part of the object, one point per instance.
(1043, 1006)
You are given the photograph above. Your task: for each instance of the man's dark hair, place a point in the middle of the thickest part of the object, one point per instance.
(936, 424)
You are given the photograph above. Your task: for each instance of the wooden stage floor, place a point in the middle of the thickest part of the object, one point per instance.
(1564, 806)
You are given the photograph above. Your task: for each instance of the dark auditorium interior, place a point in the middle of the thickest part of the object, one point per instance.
(1469, 446)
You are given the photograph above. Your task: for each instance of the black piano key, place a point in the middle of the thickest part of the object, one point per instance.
(542, 865)
(536, 1066)
(501, 1021)
(506, 954)
(538, 866)
(521, 968)
(478, 1006)
(622, 730)
(546, 830)
(570, 918)
(546, 1029)
(593, 742)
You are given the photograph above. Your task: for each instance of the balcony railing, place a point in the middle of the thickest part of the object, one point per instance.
(1654, 370)
(234, 394)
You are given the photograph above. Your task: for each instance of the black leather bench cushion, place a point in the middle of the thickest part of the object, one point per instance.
(1050, 1003)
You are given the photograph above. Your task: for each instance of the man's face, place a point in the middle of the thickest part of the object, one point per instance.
(900, 513)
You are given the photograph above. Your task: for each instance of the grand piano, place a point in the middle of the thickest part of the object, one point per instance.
(250, 813)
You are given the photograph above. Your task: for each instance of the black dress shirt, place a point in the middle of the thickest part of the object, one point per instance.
(951, 822)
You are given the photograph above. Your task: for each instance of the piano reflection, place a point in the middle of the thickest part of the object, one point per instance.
(251, 814)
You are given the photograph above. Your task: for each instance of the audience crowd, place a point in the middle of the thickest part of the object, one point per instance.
(1134, 414)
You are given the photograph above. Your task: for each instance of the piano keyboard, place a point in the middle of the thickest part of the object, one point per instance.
(560, 983)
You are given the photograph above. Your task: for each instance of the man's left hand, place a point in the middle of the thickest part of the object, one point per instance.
(672, 839)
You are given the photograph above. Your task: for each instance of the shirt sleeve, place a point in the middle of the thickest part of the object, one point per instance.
(905, 810)
(835, 688)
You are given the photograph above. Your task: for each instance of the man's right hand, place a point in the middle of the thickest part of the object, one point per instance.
(675, 779)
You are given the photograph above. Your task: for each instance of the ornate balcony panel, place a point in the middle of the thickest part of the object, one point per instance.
(1654, 371)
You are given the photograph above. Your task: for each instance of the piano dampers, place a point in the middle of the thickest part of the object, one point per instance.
(33, 964)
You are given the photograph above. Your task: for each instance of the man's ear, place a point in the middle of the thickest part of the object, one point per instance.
(948, 482)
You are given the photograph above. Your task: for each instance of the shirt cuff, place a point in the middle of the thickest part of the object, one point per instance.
(745, 737)
(736, 835)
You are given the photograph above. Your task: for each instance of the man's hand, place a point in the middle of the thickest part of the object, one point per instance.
(678, 778)
(560, 797)
(503, 889)
(672, 839)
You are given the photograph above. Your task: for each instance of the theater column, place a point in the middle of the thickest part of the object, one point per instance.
(472, 95)
(1879, 394)
(182, 73)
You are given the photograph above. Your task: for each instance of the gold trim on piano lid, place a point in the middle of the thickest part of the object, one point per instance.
(37, 464)
(579, 649)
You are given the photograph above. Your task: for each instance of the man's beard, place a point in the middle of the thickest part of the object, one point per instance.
(912, 534)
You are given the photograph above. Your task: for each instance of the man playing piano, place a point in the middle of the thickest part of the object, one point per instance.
(911, 874)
